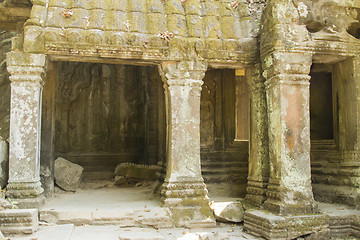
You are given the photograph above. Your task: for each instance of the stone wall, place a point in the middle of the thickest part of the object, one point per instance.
(107, 114)
(223, 159)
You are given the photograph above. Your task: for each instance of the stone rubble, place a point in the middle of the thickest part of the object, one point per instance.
(232, 212)
(68, 175)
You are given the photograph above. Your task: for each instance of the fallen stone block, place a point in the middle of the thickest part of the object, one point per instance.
(228, 211)
(137, 172)
(14, 221)
(4, 162)
(68, 175)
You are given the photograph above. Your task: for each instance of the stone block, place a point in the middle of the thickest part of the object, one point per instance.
(137, 172)
(14, 221)
(275, 227)
(4, 162)
(68, 175)
(228, 211)
(64, 217)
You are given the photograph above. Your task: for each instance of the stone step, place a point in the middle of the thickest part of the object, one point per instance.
(56, 232)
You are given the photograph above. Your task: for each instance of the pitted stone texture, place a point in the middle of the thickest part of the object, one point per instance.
(228, 211)
(68, 175)
(4, 162)
(19, 221)
(184, 191)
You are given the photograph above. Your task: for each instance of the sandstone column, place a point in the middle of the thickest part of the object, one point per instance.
(24, 163)
(258, 177)
(184, 191)
(287, 88)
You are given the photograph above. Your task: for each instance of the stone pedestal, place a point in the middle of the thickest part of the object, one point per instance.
(287, 88)
(24, 163)
(259, 142)
(274, 227)
(184, 191)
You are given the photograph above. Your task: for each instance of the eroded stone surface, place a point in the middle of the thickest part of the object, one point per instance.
(228, 211)
(68, 175)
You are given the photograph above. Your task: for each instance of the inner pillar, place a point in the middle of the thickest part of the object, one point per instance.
(24, 164)
(287, 88)
(184, 191)
(258, 177)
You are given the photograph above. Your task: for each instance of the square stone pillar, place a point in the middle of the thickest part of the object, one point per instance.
(287, 87)
(184, 191)
(24, 164)
(258, 177)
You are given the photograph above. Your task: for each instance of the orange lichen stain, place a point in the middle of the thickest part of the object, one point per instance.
(293, 114)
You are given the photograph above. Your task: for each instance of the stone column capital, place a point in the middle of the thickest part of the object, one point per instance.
(186, 73)
(25, 67)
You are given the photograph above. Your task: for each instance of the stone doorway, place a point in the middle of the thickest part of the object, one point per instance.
(104, 114)
(224, 133)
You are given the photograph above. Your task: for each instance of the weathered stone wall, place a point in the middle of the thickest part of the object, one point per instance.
(335, 164)
(107, 114)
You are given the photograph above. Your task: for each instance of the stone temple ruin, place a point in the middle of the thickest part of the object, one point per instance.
(260, 95)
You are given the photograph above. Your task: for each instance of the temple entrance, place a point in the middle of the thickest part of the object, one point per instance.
(106, 114)
(224, 129)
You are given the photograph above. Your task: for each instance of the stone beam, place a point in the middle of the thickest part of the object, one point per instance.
(184, 191)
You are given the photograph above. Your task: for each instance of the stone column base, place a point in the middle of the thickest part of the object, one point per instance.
(13, 221)
(188, 203)
(274, 227)
(27, 195)
(256, 192)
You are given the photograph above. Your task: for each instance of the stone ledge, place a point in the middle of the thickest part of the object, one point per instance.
(271, 226)
(13, 221)
(344, 225)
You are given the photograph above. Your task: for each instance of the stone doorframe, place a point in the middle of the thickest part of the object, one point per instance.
(183, 191)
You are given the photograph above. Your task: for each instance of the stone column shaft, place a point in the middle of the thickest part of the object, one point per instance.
(184, 191)
(24, 162)
(258, 177)
(287, 88)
